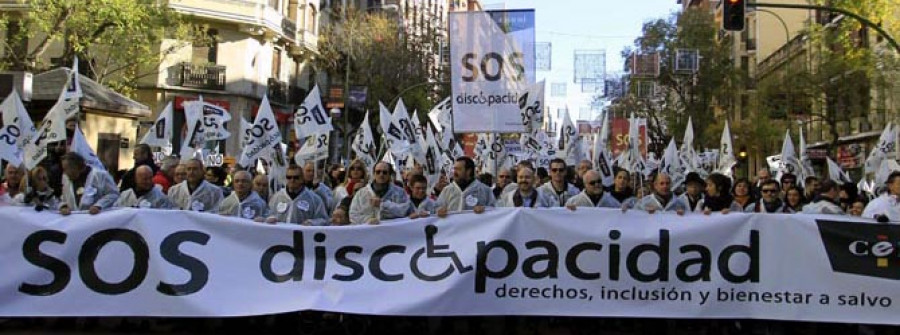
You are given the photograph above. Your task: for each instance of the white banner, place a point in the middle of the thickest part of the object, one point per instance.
(492, 68)
(590, 262)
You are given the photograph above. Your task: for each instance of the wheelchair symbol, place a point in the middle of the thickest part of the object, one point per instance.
(432, 250)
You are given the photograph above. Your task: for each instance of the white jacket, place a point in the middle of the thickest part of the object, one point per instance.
(650, 202)
(152, 199)
(476, 194)
(99, 190)
(306, 206)
(427, 205)
(563, 197)
(880, 206)
(252, 207)
(542, 200)
(206, 197)
(583, 200)
(823, 207)
(394, 204)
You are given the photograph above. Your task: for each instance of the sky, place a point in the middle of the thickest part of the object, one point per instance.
(568, 25)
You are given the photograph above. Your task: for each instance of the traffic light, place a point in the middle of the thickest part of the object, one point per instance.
(733, 15)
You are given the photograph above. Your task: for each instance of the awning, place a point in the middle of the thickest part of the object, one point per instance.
(48, 85)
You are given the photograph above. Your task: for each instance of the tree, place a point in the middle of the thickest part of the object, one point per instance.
(384, 56)
(119, 40)
(680, 94)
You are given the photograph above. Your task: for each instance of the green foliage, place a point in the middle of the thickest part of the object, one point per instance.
(119, 39)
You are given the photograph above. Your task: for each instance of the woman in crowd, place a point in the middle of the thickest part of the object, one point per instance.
(793, 200)
(718, 199)
(335, 176)
(741, 192)
(355, 178)
(37, 191)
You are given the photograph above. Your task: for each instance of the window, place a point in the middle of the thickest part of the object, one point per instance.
(276, 64)
(311, 19)
(206, 51)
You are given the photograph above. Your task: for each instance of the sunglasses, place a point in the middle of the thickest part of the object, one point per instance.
(382, 172)
(557, 170)
(769, 191)
(292, 177)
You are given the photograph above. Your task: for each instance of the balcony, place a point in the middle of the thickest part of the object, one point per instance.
(289, 29)
(200, 76)
(282, 93)
(750, 44)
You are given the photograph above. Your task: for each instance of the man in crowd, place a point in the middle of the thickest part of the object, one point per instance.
(464, 193)
(826, 200)
(11, 187)
(762, 175)
(504, 182)
(558, 187)
(810, 185)
(379, 200)
(527, 195)
(261, 186)
(583, 166)
(770, 202)
(420, 205)
(788, 180)
(693, 192)
(195, 193)
(296, 203)
(85, 188)
(244, 202)
(881, 205)
(142, 155)
(662, 198)
(165, 177)
(314, 184)
(144, 194)
(180, 174)
(593, 194)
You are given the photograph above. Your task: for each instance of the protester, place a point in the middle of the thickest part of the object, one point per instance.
(857, 207)
(195, 193)
(37, 192)
(770, 202)
(144, 194)
(718, 198)
(693, 194)
(11, 186)
(810, 184)
(621, 189)
(420, 205)
(661, 198)
(826, 200)
(504, 181)
(380, 200)
(216, 175)
(464, 193)
(787, 181)
(142, 155)
(319, 188)
(339, 216)
(883, 203)
(848, 195)
(793, 200)
(297, 204)
(355, 178)
(261, 186)
(180, 175)
(559, 187)
(583, 166)
(85, 188)
(741, 191)
(335, 176)
(526, 195)
(244, 202)
(165, 177)
(762, 175)
(593, 194)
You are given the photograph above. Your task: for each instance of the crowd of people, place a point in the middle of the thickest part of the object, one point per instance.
(316, 195)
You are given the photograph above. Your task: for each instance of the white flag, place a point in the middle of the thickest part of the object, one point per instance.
(630, 159)
(81, 147)
(887, 143)
(440, 116)
(887, 167)
(364, 144)
(276, 159)
(246, 126)
(671, 165)
(264, 134)
(209, 120)
(53, 129)
(433, 159)
(806, 169)
(601, 156)
(836, 173)
(311, 117)
(690, 159)
(726, 152)
(789, 162)
(568, 135)
(495, 154)
(72, 90)
(419, 130)
(314, 149)
(17, 129)
(394, 137)
(531, 106)
(401, 117)
(160, 134)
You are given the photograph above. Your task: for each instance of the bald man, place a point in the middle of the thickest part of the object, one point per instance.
(244, 202)
(593, 194)
(144, 194)
(662, 198)
(195, 193)
(526, 195)
(261, 186)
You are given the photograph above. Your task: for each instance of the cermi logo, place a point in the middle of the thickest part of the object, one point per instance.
(862, 248)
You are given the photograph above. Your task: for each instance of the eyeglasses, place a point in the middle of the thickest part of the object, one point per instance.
(382, 172)
(297, 177)
(557, 170)
(769, 191)
(594, 182)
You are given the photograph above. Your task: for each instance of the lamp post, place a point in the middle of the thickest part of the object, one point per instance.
(742, 157)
